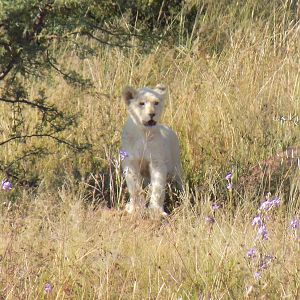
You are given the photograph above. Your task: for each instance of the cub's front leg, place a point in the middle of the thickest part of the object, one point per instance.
(135, 187)
(158, 185)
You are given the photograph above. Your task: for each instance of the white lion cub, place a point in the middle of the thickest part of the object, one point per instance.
(150, 150)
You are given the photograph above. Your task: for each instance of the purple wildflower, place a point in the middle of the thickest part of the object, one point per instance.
(294, 224)
(265, 261)
(210, 220)
(268, 204)
(229, 186)
(251, 253)
(256, 275)
(48, 288)
(257, 221)
(123, 154)
(275, 201)
(262, 231)
(228, 176)
(215, 206)
(6, 184)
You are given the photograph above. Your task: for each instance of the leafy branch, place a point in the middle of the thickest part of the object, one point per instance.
(37, 27)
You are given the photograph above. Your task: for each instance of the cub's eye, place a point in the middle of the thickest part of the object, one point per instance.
(142, 103)
(156, 103)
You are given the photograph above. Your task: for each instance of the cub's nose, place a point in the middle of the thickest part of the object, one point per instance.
(152, 115)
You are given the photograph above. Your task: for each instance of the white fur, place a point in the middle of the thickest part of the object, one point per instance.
(152, 148)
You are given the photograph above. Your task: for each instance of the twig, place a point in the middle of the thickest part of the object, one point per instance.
(7, 68)
(114, 33)
(31, 153)
(105, 42)
(31, 103)
(49, 135)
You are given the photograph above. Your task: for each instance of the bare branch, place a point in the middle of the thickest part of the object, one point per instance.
(7, 169)
(7, 68)
(43, 135)
(28, 102)
(56, 68)
(27, 154)
(105, 42)
(61, 37)
(39, 20)
(119, 33)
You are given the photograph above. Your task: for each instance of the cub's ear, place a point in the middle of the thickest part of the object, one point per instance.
(161, 89)
(128, 94)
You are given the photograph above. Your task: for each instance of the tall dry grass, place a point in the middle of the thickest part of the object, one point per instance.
(86, 253)
(232, 105)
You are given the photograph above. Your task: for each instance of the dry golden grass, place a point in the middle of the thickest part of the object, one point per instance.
(226, 108)
(100, 253)
(222, 106)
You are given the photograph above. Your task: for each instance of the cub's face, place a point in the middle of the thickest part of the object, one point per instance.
(145, 105)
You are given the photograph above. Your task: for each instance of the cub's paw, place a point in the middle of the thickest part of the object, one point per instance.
(156, 210)
(131, 209)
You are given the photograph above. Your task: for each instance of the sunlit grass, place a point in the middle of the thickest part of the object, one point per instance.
(86, 253)
(226, 105)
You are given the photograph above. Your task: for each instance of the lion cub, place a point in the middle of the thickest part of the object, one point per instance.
(151, 150)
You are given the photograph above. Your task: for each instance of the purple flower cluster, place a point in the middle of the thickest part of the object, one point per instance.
(123, 154)
(251, 253)
(265, 260)
(269, 204)
(262, 217)
(228, 177)
(229, 186)
(294, 224)
(261, 227)
(210, 220)
(263, 232)
(48, 288)
(259, 222)
(256, 275)
(294, 228)
(6, 185)
(215, 206)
